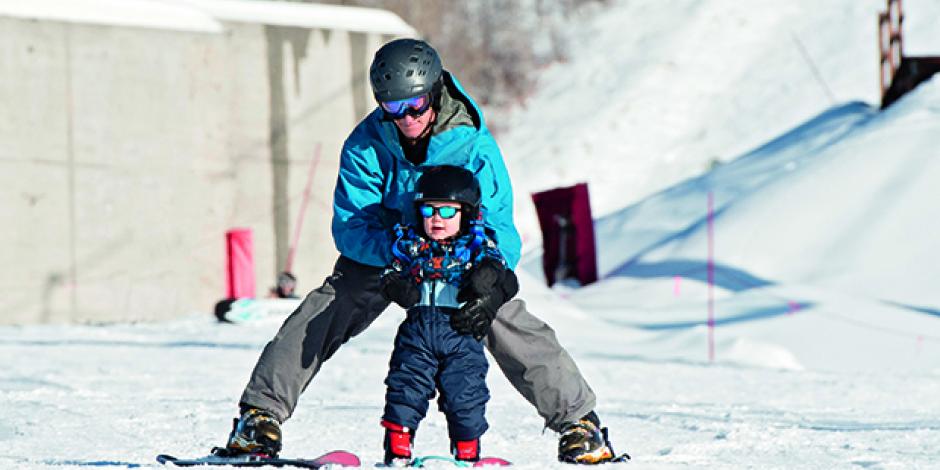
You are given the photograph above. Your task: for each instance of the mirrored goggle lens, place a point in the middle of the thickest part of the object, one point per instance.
(400, 108)
(446, 212)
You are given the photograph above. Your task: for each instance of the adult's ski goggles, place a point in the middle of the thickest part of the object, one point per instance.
(413, 107)
(446, 212)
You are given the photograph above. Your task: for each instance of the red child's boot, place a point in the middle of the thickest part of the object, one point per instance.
(468, 451)
(397, 444)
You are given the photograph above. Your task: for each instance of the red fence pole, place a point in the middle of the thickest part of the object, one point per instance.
(303, 209)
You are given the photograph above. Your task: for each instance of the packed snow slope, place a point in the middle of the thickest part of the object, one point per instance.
(116, 396)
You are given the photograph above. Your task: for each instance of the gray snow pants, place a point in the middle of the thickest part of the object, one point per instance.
(525, 348)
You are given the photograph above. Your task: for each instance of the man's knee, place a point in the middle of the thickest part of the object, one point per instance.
(514, 321)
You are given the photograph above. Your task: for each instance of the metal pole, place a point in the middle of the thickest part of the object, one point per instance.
(303, 209)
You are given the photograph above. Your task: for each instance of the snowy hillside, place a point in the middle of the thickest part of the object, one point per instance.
(824, 243)
(827, 345)
(823, 233)
(656, 91)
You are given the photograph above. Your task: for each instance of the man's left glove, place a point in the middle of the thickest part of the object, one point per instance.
(486, 288)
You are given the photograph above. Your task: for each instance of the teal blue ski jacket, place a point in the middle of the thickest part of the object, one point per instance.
(376, 183)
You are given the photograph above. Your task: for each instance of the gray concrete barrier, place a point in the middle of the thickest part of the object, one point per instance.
(127, 150)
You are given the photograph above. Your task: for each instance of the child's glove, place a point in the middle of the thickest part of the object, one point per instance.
(398, 289)
(487, 287)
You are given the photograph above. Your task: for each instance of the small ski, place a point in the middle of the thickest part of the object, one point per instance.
(483, 462)
(334, 459)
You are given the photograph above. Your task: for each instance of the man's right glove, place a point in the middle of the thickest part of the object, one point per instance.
(488, 286)
(398, 289)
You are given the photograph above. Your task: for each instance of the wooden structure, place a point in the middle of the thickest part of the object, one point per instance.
(899, 73)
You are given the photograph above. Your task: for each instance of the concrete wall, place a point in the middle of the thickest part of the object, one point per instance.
(126, 153)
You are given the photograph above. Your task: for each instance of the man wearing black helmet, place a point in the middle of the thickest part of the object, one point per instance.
(424, 119)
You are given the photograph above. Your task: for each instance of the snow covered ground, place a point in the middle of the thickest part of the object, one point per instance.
(827, 345)
(115, 396)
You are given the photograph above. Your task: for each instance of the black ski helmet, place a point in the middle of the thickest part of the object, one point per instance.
(405, 68)
(450, 183)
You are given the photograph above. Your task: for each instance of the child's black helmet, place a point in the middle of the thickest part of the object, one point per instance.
(451, 183)
(448, 183)
(405, 68)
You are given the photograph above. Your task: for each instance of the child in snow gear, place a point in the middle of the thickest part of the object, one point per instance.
(431, 262)
(380, 162)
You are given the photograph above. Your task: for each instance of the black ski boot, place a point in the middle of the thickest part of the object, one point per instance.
(255, 432)
(585, 442)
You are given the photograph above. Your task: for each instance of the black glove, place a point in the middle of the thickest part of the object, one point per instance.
(486, 288)
(400, 290)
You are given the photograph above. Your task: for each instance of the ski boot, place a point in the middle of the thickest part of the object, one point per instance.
(585, 442)
(398, 442)
(466, 451)
(255, 432)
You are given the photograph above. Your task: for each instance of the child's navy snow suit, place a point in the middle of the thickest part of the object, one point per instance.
(429, 355)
